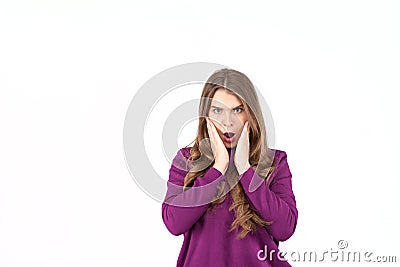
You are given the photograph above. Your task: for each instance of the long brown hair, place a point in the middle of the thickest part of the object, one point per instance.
(260, 159)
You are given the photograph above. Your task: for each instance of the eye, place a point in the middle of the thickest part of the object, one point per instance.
(238, 110)
(217, 110)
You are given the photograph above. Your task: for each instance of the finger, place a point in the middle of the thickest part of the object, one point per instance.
(217, 139)
(244, 129)
(244, 134)
(213, 129)
(211, 137)
(223, 128)
(245, 126)
(247, 129)
(211, 122)
(209, 128)
(213, 133)
(248, 135)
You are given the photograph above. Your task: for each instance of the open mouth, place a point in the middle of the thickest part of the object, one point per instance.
(228, 136)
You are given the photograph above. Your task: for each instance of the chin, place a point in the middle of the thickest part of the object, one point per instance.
(230, 145)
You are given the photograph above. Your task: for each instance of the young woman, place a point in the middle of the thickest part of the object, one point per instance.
(212, 198)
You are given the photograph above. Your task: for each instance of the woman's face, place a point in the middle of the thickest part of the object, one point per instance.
(228, 115)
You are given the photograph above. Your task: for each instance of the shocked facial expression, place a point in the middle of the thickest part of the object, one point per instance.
(228, 115)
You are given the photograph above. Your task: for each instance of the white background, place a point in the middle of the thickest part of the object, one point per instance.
(329, 71)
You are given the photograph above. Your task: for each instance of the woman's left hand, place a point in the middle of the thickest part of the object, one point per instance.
(242, 150)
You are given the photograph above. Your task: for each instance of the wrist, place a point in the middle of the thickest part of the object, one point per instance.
(221, 167)
(246, 167)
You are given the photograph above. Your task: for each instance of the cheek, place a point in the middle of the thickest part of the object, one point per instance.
(216, 119)
(212, 116)
(241, 128)
(243, 118)
(219, 127)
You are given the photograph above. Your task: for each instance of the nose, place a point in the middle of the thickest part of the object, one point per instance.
(227, 120)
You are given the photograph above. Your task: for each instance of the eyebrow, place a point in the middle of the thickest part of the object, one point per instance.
(240, 106)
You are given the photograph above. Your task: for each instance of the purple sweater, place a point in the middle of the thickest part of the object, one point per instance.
(207, 241)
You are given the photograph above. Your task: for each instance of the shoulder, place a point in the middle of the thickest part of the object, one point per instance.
(185, 151)
(179, 162)
(278, 155)
(282, 166)
(181, 157)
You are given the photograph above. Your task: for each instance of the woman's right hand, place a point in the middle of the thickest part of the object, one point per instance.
(221, 155)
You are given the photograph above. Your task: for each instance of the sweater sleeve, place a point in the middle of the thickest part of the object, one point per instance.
(181, 210)
(276, 202)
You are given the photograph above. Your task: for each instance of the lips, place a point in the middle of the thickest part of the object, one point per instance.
(229, 134)
(228, 137)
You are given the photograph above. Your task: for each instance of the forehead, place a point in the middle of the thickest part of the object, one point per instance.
(223, 98)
